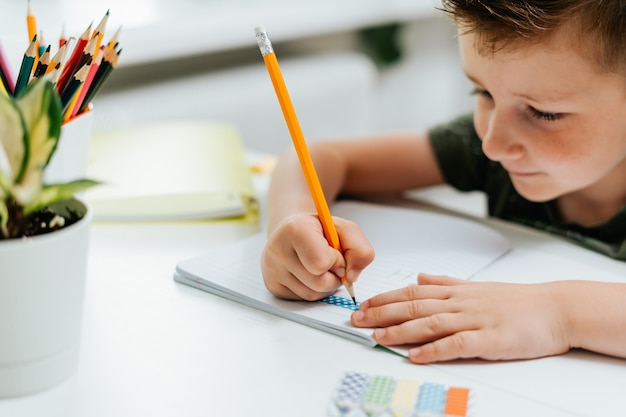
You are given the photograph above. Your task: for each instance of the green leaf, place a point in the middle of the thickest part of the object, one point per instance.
(4, 218)
(57, 192)
(41, 110)
(13, 139)
(6, 185)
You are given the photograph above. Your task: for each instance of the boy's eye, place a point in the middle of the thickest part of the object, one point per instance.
(481, 92)
(542, 115)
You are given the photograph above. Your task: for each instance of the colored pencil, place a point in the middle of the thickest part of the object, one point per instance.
(41, 48)
(78, 69)
(3, 89)
(86, 56)
(113, 41)
(62, 38)
(109, 62)
(53, 75)
(43, 63)
(77, 103)
(26, 67)
(6, 72)
(31, 23)
(99, 30)
(315, 188)
(71, 65)
(57, 58)
(72, 87)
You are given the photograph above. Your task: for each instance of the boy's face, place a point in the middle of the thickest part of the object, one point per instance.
(550, 117)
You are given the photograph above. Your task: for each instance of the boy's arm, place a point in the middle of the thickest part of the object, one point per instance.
(377, 165)
(595, 315)
(297, 262)
(451, 318)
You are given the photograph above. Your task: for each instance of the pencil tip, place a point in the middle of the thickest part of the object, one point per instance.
(354, 300)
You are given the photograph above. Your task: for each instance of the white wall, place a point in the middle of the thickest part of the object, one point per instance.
(428, 85)
(336, 89)
(333, 94)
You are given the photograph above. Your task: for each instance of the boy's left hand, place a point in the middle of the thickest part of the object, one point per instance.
(452, 318)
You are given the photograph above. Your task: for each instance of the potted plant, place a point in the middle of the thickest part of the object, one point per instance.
(43, 247)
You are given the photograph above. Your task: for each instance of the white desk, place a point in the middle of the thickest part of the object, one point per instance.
(151, 347)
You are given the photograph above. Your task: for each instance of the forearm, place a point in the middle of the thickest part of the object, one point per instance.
(375, 165)
(595, 315)
(289, 193)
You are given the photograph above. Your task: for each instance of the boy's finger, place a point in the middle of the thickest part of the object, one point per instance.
(316, 255)
(357, 249)
(456, 346)
(408, 294)
(427, 279)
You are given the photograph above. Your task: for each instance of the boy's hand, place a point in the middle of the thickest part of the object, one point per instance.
(298, 263)
(453, 318)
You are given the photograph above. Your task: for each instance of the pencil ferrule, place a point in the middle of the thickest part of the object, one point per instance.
(264, 43)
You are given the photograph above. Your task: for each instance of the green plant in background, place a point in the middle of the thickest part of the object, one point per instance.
(30, 127)
(382, 43)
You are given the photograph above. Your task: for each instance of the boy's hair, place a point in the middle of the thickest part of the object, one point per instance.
(599, 25)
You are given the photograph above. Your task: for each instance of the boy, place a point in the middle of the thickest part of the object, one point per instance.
(547, 144)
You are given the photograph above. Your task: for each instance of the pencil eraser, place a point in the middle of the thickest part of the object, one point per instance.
(259, 29)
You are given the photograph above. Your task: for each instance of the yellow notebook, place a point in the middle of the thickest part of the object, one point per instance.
(169, 171)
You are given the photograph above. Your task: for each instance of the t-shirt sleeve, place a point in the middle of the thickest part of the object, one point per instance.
(459, 155)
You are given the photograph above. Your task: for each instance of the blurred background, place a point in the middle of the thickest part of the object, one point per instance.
(353, 67)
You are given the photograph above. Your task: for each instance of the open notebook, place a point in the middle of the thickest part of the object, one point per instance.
(170, 170)
(406, 241)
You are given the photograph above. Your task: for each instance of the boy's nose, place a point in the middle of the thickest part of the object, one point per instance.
(499, 141)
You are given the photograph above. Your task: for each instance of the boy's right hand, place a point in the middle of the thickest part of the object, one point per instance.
(299, 264)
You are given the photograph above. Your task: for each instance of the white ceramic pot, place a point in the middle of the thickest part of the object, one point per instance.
(42, 282)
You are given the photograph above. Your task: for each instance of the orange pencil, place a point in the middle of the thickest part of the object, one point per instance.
(113, 41)
(58, 58)
(62, 38)
(99, 30)
(3, 89)
(31, 24)
(315, 188)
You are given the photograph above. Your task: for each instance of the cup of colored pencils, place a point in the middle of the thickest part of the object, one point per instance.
(78, 66)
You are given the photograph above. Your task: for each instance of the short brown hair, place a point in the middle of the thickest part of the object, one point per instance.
(499, 24)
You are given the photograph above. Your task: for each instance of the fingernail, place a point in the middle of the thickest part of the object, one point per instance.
(340, 272)
(414, 353)
(379, 333)
(358, 315)
(364, 305)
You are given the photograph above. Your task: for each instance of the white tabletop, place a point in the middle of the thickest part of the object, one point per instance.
(152, 347)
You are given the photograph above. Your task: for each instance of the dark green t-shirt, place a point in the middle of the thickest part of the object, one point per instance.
(464, 166)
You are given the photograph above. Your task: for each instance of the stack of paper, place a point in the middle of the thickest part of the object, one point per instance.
(170, 170)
